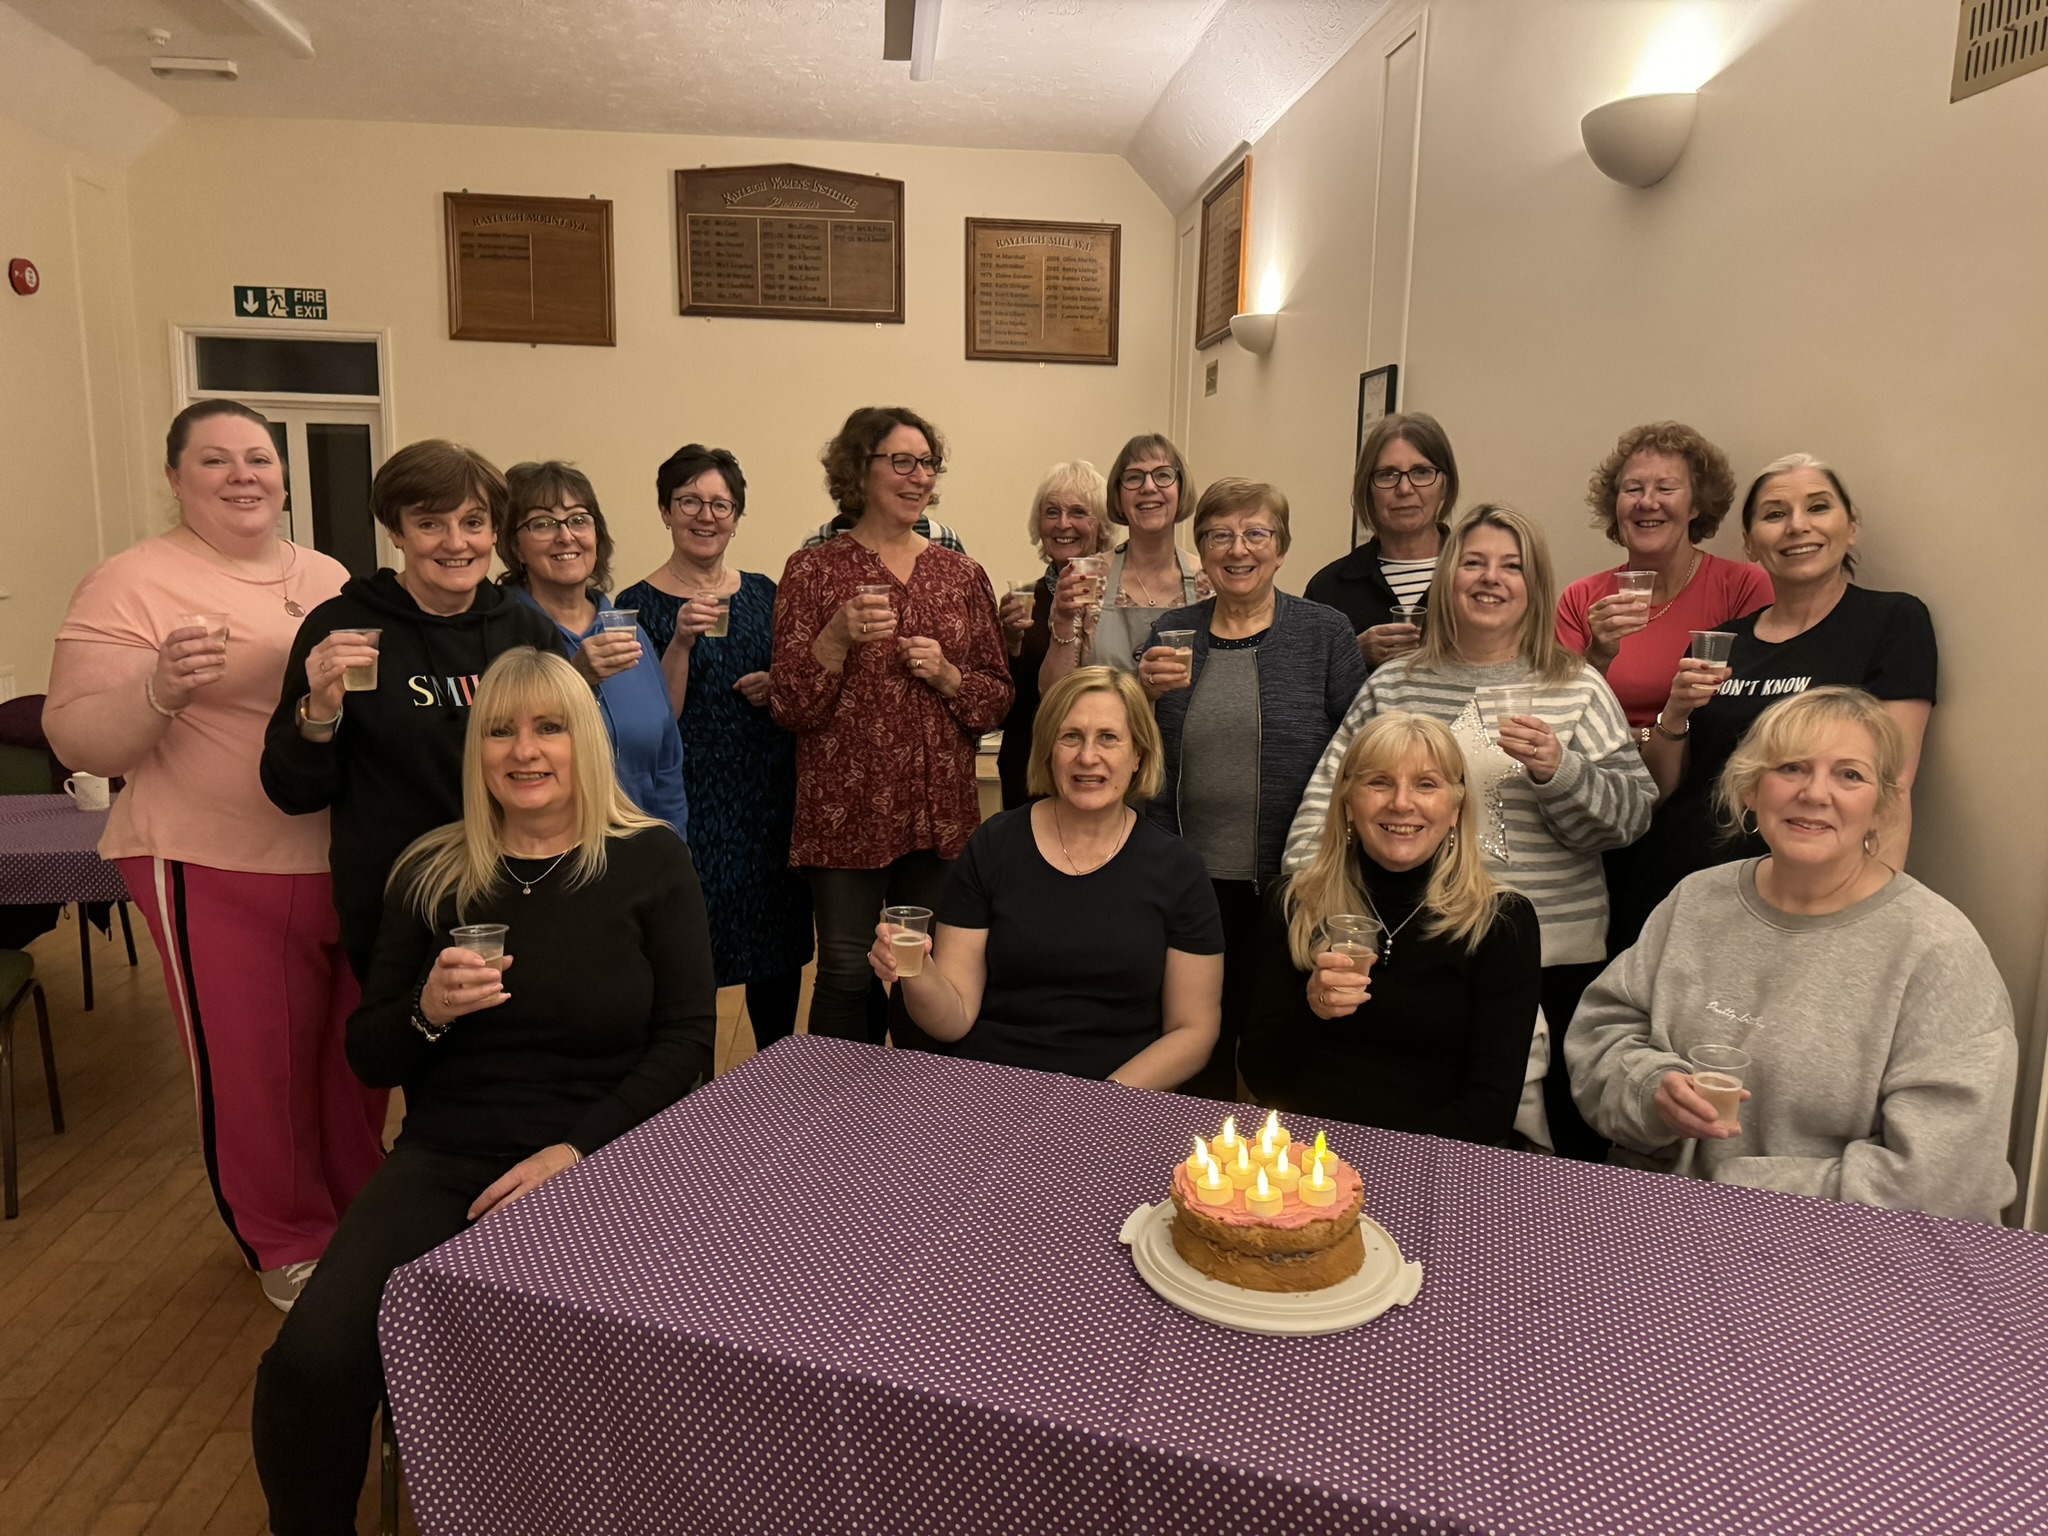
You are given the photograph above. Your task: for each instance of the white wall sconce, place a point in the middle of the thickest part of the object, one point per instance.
(1254, 332)
(1637, 140)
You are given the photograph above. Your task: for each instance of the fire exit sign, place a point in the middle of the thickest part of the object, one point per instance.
(260, 303)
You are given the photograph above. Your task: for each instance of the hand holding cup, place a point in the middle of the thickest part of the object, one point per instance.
(614, 647)
(696, 618)
(327, 669)
(1626, 612)
(464, 981)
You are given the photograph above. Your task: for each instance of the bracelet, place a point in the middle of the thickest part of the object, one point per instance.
(1657, 725)
(1074, 639)
(149, 693)
(419, 1021)
(306, 715)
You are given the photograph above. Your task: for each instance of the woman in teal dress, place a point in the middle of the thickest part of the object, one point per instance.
(739, 766)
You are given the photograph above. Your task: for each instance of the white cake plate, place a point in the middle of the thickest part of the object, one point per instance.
(1384, 1280)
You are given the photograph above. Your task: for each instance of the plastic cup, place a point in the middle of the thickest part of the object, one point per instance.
(1354, 936)
(722, 625)
(215, 624)
(908, 927)
(1712, 646)
(1500, 704)
(361, 679)
(1095, 572)
(486, 940)
(1635, 584)
(1717, 1074)
(618, 618)
(1182, 641)
(1409, 613)
(1026, 588)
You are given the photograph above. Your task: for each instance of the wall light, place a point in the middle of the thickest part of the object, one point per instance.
(1638, 139)
(1254, 332)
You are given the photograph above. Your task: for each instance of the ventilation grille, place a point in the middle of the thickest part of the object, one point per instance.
(1997, 41)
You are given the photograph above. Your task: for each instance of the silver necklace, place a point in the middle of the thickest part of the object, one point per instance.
(1074, 864)
(1386, 944)
(287, 562)
(525, 885)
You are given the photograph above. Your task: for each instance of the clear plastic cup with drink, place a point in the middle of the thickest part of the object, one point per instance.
(1498, 705)
(1409, 613)
(618, 619)
(907, 929)
(215, 624)
(1094, 573)
(1182, 643)
(1637, 585)
(1712, 646)
(484, 940)
(1717, 1075)
(722, 625)
(361, 678)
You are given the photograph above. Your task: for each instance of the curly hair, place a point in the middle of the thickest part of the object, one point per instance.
(1084, 483)
(1713, 482)
(846, 457)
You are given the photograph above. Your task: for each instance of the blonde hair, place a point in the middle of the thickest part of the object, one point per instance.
(463, 859)
(1539, 647)
(1786, 733)
(1462, 897)
(1084, 482)
(1059, 702)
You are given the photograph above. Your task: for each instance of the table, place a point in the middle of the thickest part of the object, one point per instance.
(851, 1290)
(49, 852)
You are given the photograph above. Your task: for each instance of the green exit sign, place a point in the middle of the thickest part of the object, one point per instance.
(256, 303)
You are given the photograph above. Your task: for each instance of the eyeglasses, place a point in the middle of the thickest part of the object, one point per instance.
(547, 523)
(1136, 479)
(690, 506)
(1218, 540)
(1422, 477)
(905, 463)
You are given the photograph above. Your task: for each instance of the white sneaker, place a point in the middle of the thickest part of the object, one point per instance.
(281, 1286)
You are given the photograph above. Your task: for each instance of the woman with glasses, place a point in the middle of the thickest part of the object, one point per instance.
(1069, 518)
(739, 766)
(1148, 494)
(1402, 495)
(1248, 686)
(558, 557)
(1556, 772)
(889, 664)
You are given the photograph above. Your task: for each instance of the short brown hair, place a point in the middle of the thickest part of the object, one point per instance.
(1713, 482)
(1231, 494)
(1426, 436)
(1059, 702)
(540, 487)
(1145, 443)
(435, 475)
(846, 457)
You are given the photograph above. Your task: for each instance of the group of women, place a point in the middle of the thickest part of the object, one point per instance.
(1434, 847)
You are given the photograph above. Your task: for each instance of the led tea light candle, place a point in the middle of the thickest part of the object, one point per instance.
(1223, 1146)
(1212, 1188)
(1262, 1199)
(1273, 1136)
(1318, 1189)
(1243, 1167)
(1286, 1177)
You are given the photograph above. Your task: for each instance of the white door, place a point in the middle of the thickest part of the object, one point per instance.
(330, 454)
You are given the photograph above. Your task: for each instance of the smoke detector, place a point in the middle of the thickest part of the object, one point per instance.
(168, 68)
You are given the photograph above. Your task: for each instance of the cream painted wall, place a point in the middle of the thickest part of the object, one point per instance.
(356, 208)
(1843, 262)
(66, 386)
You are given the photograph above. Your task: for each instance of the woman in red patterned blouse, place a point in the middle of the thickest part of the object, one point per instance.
(889, 663)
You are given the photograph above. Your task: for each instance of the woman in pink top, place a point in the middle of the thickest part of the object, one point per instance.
(166, 670)
(1661, 492)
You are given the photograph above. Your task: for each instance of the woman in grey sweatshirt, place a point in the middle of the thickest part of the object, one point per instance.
(1879, 1031)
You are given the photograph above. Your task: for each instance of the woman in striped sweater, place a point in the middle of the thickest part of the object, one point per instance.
(1557, 785)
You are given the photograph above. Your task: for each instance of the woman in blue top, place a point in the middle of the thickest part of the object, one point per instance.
(557, 553)
(739, 765)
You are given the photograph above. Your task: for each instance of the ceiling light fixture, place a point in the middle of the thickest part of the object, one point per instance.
(924, 39)
(167, 68)
(273, 23)
(897, 18)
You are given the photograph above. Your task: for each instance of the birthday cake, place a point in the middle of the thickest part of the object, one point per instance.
(1267, 1214)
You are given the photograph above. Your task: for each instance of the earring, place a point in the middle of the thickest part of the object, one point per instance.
(1451, 841)
(1870, 844)
(1747, 823)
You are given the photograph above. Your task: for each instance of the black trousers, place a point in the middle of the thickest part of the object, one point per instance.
(846, 1000)
(1562, 987)
(1243, 909)
(771, 1006)
(318, 1387)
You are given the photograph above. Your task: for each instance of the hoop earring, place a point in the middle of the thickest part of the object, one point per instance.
(1870, 844)
(1747, 823)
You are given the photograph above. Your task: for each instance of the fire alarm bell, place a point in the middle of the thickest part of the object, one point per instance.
(22, 274)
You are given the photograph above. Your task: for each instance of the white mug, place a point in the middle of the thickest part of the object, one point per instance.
(90, 791)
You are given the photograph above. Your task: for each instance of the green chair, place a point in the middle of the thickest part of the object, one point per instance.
(17, 984)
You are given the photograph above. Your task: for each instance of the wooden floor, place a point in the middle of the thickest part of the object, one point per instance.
(129, 1328)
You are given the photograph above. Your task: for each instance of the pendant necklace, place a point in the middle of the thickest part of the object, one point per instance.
(286, 564)
(525, 885)
(1386, 944)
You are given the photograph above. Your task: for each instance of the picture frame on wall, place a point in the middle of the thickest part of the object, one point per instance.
(1378, 398)
(1219, 285)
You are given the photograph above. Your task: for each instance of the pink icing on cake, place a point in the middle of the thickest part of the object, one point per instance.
(1293, 1211)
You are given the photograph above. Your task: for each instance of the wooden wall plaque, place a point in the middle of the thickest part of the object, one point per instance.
(530, 269)
(789, 242)
(1042, 293)
(1220, 291)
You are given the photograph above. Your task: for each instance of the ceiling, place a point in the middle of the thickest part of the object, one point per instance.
(1165, 82)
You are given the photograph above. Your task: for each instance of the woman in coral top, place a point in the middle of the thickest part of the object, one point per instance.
(889, 663)
(166, 669)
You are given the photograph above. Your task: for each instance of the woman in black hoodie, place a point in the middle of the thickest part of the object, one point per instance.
(385, 759)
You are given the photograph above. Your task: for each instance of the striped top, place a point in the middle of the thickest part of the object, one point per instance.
(1543, 840)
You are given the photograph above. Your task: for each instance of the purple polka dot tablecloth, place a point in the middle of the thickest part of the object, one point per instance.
(851, 1290)
(49, 851)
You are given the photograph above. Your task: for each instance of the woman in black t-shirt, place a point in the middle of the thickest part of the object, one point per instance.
(1077, 936)
(1799, 524)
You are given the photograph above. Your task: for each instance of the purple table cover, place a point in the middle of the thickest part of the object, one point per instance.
(49, 851)
(853, 1290)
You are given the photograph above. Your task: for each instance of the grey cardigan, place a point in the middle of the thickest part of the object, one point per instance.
(1309, 672)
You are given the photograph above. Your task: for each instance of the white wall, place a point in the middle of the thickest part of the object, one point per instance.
(1843, 263)
(356, 208)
